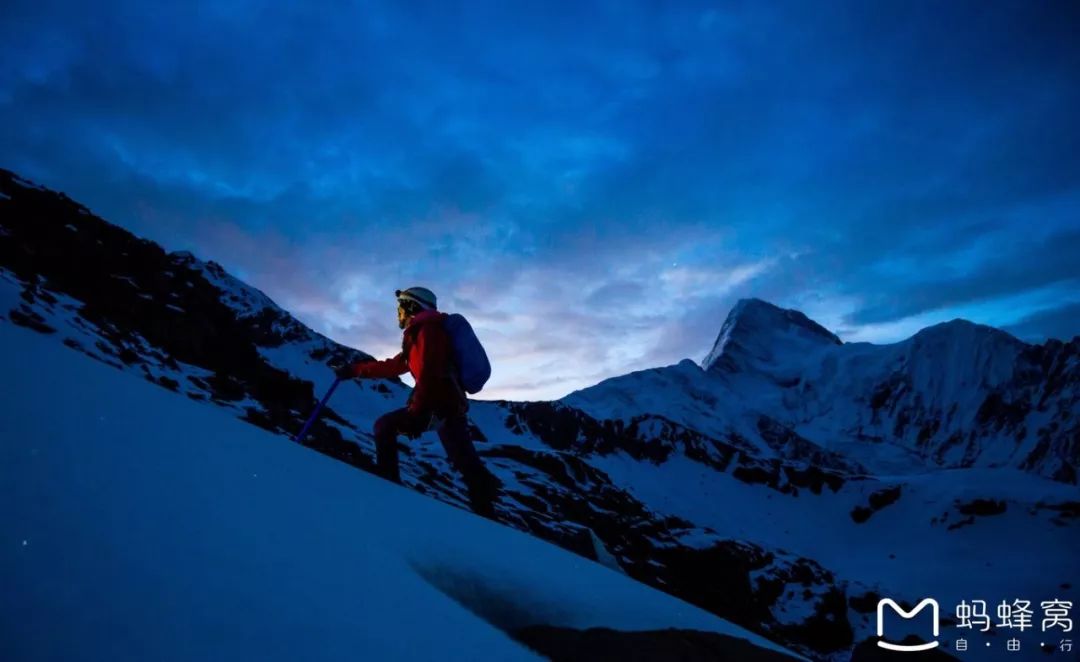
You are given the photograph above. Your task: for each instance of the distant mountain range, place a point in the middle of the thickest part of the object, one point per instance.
(954, 395)
(786, 483)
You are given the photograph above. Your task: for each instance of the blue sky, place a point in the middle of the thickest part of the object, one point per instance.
(593, 185)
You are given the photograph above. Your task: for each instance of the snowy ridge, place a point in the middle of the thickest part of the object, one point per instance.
(245, 299)
(273, 325)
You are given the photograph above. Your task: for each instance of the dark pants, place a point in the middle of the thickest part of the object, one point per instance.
(454, 435)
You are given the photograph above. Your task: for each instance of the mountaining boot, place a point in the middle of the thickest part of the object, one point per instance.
(483, 492)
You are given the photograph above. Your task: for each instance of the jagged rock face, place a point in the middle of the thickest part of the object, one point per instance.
(968, 395)
(190, 327)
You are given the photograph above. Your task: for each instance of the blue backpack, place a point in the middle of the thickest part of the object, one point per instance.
(472, 362)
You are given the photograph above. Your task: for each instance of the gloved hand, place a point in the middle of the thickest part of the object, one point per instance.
(345, 371)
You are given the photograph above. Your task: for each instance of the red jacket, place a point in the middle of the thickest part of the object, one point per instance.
(426, 352)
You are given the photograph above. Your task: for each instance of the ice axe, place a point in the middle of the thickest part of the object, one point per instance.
(315, 414)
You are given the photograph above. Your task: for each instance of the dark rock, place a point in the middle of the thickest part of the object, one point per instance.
(865, 603)
(981, 507)
(30, 320)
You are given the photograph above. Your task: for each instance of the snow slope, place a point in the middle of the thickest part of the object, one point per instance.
(919, 545)
(141, 525)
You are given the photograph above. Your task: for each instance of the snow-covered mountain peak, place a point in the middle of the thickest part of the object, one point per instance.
(964, 331)
(757, 332)
(967, 353)
(952, 327)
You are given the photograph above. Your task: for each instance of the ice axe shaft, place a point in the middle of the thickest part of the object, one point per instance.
(315, 414)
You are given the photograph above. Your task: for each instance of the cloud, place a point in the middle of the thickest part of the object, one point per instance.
(595, 185)
(1061, 322)
(1009, 265)
(615, 294)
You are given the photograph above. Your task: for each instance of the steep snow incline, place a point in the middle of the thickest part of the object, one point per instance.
(140, 525)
